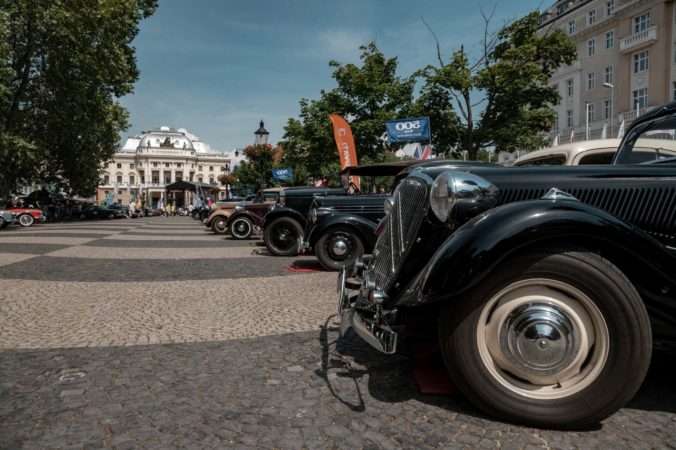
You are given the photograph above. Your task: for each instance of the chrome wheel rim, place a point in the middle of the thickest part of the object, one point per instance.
(26, 220)
(542, 339)
(241, 228)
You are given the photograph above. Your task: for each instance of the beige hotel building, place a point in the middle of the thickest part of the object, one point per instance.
(626, 62)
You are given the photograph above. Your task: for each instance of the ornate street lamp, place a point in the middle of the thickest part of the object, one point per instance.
(261, 135)
(612, 105)
(261, 139)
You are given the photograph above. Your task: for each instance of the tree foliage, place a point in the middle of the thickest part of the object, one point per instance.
(63, 65)
(510, 80)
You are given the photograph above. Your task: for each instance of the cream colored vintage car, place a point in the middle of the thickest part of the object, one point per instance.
(594, 151)
(218, 219)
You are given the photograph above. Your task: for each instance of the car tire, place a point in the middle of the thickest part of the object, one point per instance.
(593, 340)
(219, 224)
(241, 228)
(282, 237)
(338, 247)
(3, 223)
(26, 220)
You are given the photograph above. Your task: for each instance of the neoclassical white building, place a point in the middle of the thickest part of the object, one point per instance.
(151, 160)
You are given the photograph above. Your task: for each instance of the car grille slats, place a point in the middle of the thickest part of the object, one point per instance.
(408, 211)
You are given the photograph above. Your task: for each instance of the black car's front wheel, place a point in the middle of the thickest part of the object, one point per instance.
(241, 228)
(338, 247)
(282, 237)
(556, 339)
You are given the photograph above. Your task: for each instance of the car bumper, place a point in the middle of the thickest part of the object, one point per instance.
(42, 218)
(375, 332)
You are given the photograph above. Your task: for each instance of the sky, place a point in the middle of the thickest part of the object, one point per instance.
(217, 67)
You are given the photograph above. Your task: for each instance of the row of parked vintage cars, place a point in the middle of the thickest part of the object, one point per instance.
(549, 285)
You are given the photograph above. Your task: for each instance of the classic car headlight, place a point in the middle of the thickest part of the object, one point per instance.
(239, 208)
(317, 213)
(455, 187)
(313, 215)
(387, 206)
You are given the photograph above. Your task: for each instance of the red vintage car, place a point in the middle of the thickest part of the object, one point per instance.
(28, 216)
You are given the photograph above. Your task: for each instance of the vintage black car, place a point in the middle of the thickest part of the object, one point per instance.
(549, 284)
(283, 225)
(341, 229)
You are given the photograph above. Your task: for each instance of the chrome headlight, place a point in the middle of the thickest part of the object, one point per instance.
(313, 215)
(389, 203)
(239, 208)
(455, 187)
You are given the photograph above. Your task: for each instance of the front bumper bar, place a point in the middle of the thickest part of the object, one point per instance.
(375, 332)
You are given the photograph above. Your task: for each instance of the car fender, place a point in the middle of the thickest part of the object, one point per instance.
(215, 214)
(470, 254)
(278, 212)
(363, 227)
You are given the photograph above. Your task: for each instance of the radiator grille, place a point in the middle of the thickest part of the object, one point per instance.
(408, 211)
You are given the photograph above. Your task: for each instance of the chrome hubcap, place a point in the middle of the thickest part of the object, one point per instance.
(339, 247)
(539, 339)
(542, 338)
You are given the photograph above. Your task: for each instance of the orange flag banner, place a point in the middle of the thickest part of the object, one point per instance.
(345, 143)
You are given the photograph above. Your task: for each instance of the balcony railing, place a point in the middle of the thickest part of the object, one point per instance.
(631, 115)
(637, 40)
(565, 70)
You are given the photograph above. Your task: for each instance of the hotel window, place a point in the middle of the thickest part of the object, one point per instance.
(142, 176)
(156, 177)
(591, 17)
(591, 81)
(155, 164)
(591, 47)
(119, 165)
(640, 96)
(106, 179)
(131, 179)
(166, 164)
(642, 22)
(571, 87)
(211, 180)
(199, 180)
(199, 167)
(131, 165)
(608, 75)
(178, 164)
(571, 27)
(105, 165)
(641, 61)
(590, 112)
(167, 179)
(211, 168)
(119, 178)
(569, 118)
(610, 37)
(607, 109)
(610, 7)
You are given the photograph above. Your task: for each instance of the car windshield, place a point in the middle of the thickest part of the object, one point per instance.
(651, 143)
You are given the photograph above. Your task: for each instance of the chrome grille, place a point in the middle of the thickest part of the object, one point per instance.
(408, 211)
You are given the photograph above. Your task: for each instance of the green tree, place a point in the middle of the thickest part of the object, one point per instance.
(509, 81)
(63, 65)
(367, 96)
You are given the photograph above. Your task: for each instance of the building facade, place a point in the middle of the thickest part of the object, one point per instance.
(148, 162)
(626, 63)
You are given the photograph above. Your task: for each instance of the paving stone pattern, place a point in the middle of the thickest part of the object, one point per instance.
(230, 351)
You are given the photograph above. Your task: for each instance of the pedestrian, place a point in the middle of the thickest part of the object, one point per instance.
(132, 209)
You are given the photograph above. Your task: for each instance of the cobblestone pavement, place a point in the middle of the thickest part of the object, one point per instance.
(108, 339)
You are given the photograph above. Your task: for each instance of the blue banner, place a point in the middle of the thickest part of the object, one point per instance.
(283, 174)
(416, 129)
